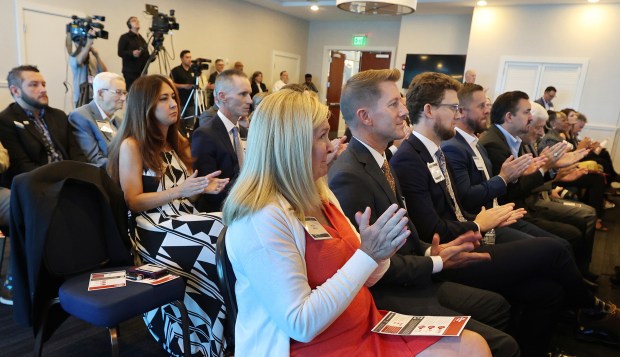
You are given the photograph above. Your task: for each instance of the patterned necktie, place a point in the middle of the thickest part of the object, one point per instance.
(238, 147)
(388, 175)
(53, 155)
(441, 159)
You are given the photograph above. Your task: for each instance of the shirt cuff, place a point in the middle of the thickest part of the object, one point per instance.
(393, 149)
(437, 261)
(504, 181)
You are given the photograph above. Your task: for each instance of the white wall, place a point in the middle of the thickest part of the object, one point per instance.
(589, 31)
(231, 29)
(432, 34)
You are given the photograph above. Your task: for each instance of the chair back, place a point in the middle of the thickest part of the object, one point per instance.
(67, 217)
(227, 280)
(81, 231)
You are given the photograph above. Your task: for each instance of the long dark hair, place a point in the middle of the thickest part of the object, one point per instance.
(140, 124)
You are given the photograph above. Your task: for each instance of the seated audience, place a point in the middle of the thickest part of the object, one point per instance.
(538, 275)
(152, 163)
(361, 177)
(298, 294)
(597, 153)
(95, 124)
(257, 84)
(281, 82)
(591, 187)
(308, 85)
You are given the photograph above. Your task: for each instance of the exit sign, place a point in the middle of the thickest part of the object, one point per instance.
(359, 40)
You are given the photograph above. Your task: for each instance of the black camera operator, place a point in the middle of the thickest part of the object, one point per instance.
(84, 59)
(132, 48)
(183, 79)
(186, 78)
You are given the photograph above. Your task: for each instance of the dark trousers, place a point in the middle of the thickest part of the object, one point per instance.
(536, 276)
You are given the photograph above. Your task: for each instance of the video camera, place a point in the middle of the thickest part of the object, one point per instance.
(79, 28)
(161, 24)
(198, 65)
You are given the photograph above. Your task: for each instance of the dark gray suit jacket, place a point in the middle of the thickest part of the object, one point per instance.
(358, 182)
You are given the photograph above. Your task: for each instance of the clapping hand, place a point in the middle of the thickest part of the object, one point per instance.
(382, 239)
(513, 168)
(215, 185)
(457, 253)
(339, 146)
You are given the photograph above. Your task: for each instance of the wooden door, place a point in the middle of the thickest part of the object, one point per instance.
(375, 60)
(334, 88)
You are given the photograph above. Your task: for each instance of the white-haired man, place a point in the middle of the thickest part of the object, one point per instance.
(94, 124)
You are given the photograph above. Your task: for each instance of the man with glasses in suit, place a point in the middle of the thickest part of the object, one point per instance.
(95, 124)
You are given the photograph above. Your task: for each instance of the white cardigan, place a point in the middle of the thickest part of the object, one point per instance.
(276, 304)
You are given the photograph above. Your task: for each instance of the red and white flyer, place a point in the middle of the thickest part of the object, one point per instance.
(405, 325)
(106, 280)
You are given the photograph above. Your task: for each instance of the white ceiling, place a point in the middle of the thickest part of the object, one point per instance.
(329, 12)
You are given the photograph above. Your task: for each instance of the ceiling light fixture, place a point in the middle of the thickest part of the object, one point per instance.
(385, 7)
(314, 7)
(481, 3)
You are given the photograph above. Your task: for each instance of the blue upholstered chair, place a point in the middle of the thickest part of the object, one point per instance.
(69, 220)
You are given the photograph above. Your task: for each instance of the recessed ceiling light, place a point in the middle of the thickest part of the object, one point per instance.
(314, 7)
(481, 3)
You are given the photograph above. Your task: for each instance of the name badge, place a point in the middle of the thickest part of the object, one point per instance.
(479, 163)
(105, 127)
(316, 229)
(435, 171)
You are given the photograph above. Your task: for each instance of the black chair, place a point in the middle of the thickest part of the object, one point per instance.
(69, 220)
(227, 279)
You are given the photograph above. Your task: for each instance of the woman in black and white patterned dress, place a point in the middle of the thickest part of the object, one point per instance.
(152, 163)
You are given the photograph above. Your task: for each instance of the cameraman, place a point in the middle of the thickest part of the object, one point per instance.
(184, 80)
(132, 48)
(85, 65)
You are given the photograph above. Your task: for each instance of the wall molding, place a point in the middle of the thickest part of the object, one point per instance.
(4, 84)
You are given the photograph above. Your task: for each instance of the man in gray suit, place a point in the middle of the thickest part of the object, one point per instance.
(94, 124)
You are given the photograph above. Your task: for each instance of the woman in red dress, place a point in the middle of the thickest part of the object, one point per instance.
(302, 270)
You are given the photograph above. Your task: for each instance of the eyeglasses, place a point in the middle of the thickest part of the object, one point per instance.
(454, 107)
(116, 91)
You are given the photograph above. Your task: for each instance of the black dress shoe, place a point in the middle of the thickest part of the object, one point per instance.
(602, 328)
(591, 285)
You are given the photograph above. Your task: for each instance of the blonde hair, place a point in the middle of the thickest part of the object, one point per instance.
(279, 157)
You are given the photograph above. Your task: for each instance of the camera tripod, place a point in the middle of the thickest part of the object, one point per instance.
(188, 123)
